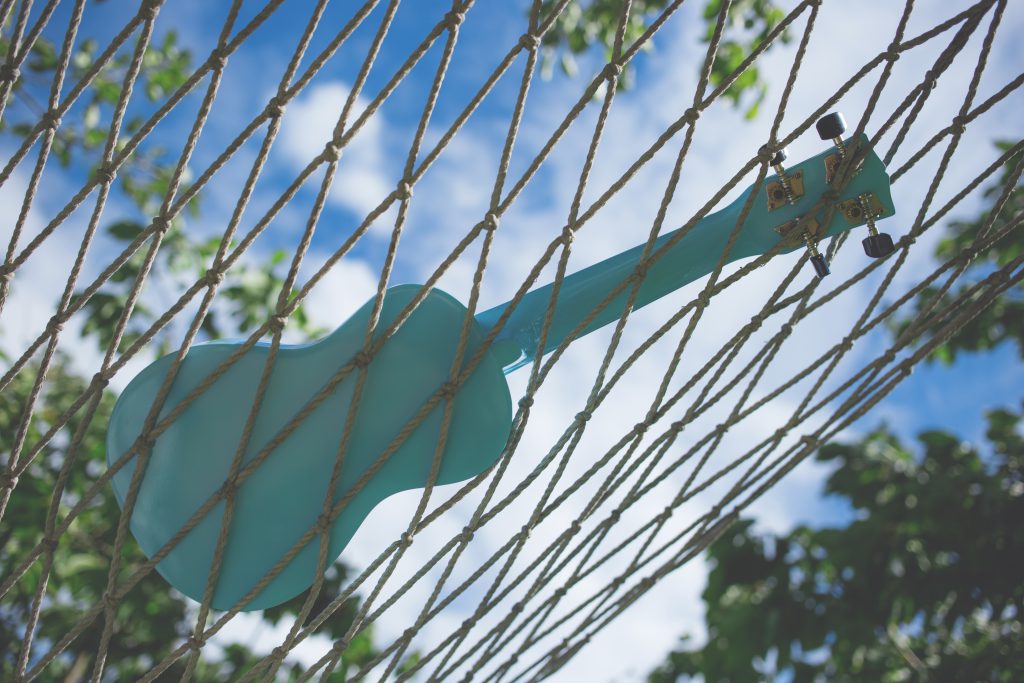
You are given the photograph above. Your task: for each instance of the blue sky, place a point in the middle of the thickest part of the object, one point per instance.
(454, 195)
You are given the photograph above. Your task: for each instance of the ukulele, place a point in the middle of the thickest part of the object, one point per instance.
(282, 499)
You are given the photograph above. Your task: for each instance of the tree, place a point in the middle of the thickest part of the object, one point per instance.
(159, 616)
(587, 25)
(924, 584)
(1003, 321)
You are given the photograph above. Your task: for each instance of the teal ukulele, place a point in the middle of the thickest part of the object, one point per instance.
(282, 498)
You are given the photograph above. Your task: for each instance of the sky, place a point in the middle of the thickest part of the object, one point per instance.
(454, 194)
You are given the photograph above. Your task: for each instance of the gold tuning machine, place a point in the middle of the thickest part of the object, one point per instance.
(786, 189)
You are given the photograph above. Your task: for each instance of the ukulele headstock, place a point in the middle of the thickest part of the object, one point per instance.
(802, 205)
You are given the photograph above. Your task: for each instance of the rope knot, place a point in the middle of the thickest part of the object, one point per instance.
(525, 531)
(640, 272)
(109, 601)
(214, 277)
(575, 526)
(666, 513)
(765, 153)
(49, 544)
(9, 72)
(6, 272)
(893, 52)
(218, 58)
(149, 9)
(612, 70)
(50, 119)
(704, 298)
(277, 322)
(405, 539)
(332, 152)
(196, 642)
(448, 390)
(786, 329)
(526, 402)
(959, 124)
(101, 379)
(275, 106)
(691, 115)
(408, 633)
(55, 325)
(160, 223)
(230, 486)
(105, 173)
(568, 234)
(559, 593)
(808, 441)
(930, 79)
(453, 19)
(888, 357)
(491, 221)
(404, 190)
(361, 359)
(829, 196)
(583, 416)
(467, 534)
(516, 608)
(677, 426)
(640, 427)
(846, 344)
(323, 523)
(528, 41)
(615, 515)
(9, 480)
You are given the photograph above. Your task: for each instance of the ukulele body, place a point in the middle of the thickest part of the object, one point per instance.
(282, 498)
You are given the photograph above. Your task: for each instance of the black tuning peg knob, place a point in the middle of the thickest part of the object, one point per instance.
(820, 265)
(816, 258)
(831, 126)
(878, 246)
(777, 158)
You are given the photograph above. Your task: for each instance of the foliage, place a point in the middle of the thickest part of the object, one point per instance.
(587, 24)
(1003, 321)
(924, 584)
(159, 617)
(249, 290)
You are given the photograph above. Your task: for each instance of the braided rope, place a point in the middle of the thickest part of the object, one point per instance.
(531, 604)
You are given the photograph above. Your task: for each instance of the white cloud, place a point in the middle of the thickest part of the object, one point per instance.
(364, 176)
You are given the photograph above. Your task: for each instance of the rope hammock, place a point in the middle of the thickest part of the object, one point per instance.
(593, 522)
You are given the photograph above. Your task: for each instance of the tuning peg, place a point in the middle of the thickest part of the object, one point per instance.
(777, 158)
(877, 244)
(817, 259)
(831, 127)
(776, 163)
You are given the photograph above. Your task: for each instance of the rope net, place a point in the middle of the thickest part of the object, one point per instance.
(692, 410)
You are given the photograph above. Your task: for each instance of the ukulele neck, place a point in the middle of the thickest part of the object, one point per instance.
(688, 259)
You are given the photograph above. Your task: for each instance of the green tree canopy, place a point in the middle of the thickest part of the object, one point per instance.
(923, 584)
